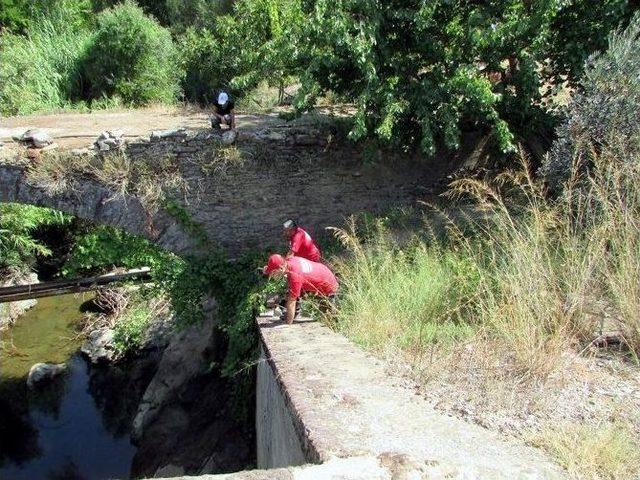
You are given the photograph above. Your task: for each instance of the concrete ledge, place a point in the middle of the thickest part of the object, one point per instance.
(344, 405)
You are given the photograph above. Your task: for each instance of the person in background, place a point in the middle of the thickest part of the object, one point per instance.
(300, 242)
(303, 276)
(223, 113)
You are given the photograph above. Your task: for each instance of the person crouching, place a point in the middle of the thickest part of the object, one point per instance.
(303, 276)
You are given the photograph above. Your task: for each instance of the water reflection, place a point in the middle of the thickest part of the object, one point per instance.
(77, 426)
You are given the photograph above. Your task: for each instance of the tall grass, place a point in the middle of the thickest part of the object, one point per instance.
(399, 299)
(525, 273)
(41, 71)
(592, 452)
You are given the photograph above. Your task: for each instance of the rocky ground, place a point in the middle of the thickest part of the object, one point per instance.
(591, 389)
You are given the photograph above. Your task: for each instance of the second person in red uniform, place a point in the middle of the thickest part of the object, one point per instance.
(300, 242)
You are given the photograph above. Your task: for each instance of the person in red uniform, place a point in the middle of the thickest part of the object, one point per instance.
(303, 276)
(300, 242)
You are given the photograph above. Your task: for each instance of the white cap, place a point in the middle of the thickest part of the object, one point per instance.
(223, 98)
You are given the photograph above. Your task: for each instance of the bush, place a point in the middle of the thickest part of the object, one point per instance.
(42, 70)
(133, 57)
(604, 114)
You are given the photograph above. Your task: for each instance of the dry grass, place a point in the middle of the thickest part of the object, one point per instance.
(150, 180)
(605, 451)
(504, 304)
(219, 161)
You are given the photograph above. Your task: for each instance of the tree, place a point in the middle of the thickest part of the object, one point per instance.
(421, 71)
(257, 42)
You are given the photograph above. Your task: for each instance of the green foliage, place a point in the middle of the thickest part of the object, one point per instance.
(132, 57)
(579, 29)
(13, 15)
(42, 69)
(256, 43)
(236, 286)
(130, 328)
(182, 216)
(420, 72)
(104, 248)
(604, 114)
(18, 248)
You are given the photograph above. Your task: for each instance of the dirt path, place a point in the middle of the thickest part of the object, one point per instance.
(74, 130)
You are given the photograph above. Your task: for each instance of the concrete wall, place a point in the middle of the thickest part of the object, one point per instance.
(277, 442)
(323, 401)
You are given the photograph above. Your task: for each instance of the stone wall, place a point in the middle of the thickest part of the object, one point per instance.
(239, 193)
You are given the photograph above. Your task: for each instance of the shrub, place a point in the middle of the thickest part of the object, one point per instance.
(41, 70)
(132, 57)
(18, 247)
(605, 113)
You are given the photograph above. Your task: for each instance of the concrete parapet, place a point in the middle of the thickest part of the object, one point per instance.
(345, 405)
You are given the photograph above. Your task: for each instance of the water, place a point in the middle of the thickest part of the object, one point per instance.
(76, 427)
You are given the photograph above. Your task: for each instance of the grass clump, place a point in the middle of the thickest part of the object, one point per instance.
(607, 451)
(399, 298)
(130, 328)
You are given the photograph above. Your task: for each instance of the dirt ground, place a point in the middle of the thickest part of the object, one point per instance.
(75, 130)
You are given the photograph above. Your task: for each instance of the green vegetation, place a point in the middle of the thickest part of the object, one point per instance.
(18, 247)
(132, 58)
(419, 74)
(524, 280)
(42, 69)
(520, 269)
(130, 328)
(103, 249)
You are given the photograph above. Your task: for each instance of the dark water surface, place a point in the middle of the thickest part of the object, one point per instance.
(72, 428)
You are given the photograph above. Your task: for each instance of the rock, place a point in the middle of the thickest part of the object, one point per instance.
(9, 312)
(229, 137)
(36, 138)
(178, 133)
(80, 152)
(306, 140)
(183, 359)
(42, 372)
(274, 136)
(203, 136)
(169, 471)
(159, 333)
(109, 140)
(99, 346)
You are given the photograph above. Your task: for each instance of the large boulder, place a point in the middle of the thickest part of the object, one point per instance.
(41, 373)
(98, 346)
(182, 360)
